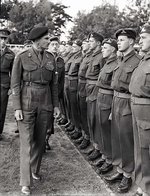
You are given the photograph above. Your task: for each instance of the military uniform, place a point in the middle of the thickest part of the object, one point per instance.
(122, 132)
(92, 73)
(82, 93)
(35, 92)
(73, 87)
(104, 102)
(140, 90)
(6, 60)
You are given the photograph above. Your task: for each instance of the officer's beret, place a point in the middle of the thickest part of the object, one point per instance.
(146, 28)
(111, 42)
(130, 33)
(4, 33)
(54, 38)
(96, 36)
(78, 42)
(37, 32)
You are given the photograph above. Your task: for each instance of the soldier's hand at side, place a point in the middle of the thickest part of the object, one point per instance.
(18, 115)
(56, 112)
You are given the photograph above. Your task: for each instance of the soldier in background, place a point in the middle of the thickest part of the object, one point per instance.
(35, 100)
(94, 67)
(140, 105)
(122, 137)
(6, 63)
(60, 70)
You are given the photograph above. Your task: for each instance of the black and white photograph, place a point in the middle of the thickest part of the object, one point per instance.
(75, 97)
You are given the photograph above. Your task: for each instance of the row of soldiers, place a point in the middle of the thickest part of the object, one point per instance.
(106, 95)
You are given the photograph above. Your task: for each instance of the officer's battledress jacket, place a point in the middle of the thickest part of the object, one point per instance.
(6, 63)
(123, 72)
(28, 68)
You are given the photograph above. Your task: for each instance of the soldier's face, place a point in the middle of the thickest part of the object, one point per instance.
(54, 47)
(43, 42)
(107, 50)
(123, 43)
(68, 48)
(85, 46)
(75, 48)
(2, 42)
(145, 42)
(93, 43)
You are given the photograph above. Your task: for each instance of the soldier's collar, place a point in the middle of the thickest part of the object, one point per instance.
(130, 54)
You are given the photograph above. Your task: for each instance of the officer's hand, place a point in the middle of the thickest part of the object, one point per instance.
(56, 112)
(18, 115)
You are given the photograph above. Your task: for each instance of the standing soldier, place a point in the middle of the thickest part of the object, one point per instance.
(122, 132)
(87, 52)
(140, 91)
(35, 99)
(73, 88)
(6, 62)
(96, 63)
(60, 70)
(104, 102)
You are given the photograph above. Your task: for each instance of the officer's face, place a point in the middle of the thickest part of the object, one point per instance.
(93, 43)
(85, 46)
(123, 43)
(43, 42)
(107, 50)
(68, 48)
(145, 42)
(54, 47)
(2, 42)
(75, 48)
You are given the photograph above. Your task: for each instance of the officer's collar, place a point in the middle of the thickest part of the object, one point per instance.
(128, 55)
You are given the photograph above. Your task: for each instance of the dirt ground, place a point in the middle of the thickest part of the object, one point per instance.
(64, 170)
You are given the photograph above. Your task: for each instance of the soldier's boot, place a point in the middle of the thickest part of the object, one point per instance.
(84, 144)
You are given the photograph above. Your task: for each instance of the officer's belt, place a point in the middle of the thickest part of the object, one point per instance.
(73, 77)
(82, 81)
(122, 95)
(91, 81)
(141, 101)
(35, 84)
(106, 91)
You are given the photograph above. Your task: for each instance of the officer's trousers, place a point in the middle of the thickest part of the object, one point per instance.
(3, 105)
(122, 135)
(141, 127)
(37, 113)
(67, 99)
(104, 103)
(83, 112)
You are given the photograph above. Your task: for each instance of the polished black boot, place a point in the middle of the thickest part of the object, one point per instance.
(106, 167)
(94, 155)
(84, 144)
(117, 177)
(124, 185)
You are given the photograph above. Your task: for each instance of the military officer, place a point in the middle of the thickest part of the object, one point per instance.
(87, 52)
(60, 69)
(35, 100)
(6, 62)
(104, 102)
(96, 63)
(140, 91)
(122, 131)
(73, 88)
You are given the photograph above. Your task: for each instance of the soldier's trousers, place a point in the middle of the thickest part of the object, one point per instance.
(122, 135)
(104, 103)
(67, 99)
(141, 128)
(37, 113)
(3, 106)
(83, 113)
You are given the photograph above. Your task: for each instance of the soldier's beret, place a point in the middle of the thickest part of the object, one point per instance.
(54, 38)
(146, 28)
(111, 42)
(130, 33)
(78, 42)
(96, 36)
(37, 32)
(4, 33)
